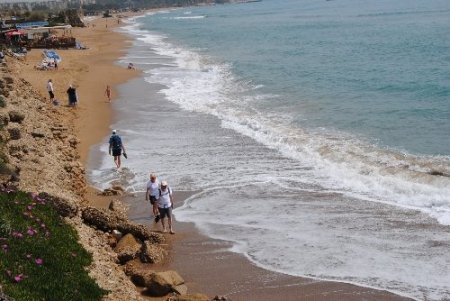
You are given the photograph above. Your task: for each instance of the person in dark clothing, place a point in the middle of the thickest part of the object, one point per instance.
(72, 94)
(116, 147)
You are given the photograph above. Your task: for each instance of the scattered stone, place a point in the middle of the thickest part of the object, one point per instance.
(180, 289)
(38, 133)
(116, 234)
(118, 188)
(14, 133)
(127, 248)
(110, 191)
(139, 274)
(112, 241)
(152, 253)
(4, 120)
(189, 297)
(220, 298)
(73, 141)
(117, 206)
(163, 283)
(15, 116)
(15, 147)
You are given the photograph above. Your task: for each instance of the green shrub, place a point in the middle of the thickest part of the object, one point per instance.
(2, 102)
(40, 258)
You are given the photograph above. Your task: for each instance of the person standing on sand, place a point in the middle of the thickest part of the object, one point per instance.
(108, 92)
(50, 90)
(152, 194)
(165, 206)
(116, 147)
(72, 95)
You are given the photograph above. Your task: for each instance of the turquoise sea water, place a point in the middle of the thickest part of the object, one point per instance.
(313, 133)
(379, 69)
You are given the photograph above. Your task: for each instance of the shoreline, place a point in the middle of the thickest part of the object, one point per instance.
(233, 275)
(227, 273)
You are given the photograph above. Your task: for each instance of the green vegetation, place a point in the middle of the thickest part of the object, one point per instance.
(2, 102)
(40, 258)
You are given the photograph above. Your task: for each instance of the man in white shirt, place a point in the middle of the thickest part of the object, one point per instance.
(152, 194)
(165, 205)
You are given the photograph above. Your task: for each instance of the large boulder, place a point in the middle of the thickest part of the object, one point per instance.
(141, 232)
(116, 205)
(152, 253)
(127, 248)
(163, 283)
(108, 220)
(64, 207)
(103, 219)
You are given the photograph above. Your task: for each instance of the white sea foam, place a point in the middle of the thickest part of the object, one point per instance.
(340, 162)
(190, 17)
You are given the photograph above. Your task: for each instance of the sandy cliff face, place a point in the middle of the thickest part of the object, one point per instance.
(38, 139)
(40, 155)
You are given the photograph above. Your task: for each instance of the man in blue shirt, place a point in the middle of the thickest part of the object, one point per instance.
(116, 147)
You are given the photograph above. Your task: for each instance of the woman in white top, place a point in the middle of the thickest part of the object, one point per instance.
(165, 205)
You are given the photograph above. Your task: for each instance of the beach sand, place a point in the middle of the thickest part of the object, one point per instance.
(205, 264)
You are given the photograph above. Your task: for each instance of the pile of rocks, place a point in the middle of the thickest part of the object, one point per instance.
(137, 249)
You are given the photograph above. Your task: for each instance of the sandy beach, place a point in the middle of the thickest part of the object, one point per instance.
(205, 264)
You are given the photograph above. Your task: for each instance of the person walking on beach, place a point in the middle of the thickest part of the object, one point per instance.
(72, 95)
(50, 90)
(108, 92)
(116, 147)
(165, 206)
(152, 194)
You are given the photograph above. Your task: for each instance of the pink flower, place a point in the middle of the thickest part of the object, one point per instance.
(42, 225)
(39, 261)
(29, 207)
(18, 278)
(17, 234)
(29, 256)
(5, 248)
(31, 231)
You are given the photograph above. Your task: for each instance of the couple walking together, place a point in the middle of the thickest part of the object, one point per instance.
(161, 198)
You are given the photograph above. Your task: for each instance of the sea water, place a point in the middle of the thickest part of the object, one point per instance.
(314, 132)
